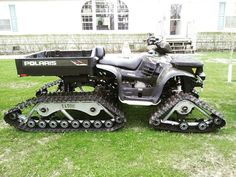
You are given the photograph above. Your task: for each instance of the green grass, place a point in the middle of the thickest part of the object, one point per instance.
(136, 150)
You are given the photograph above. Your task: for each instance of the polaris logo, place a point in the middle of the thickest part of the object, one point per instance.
(40, 63)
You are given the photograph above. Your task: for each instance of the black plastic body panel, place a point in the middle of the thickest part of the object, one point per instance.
(56, 63)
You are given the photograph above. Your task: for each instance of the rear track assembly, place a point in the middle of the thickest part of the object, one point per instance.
(47, 105)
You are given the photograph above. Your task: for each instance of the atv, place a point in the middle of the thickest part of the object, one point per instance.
(91, 87)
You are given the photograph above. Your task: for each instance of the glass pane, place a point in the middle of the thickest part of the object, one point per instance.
(123, 18)
(105, 21)
(12, 9)
(122, 7)
(175, 26)
(104, 6)
(222, 9)
(221, 22)
(123, 26)
(230, 22)
(5, 25)
(175, 12)
(87, 18)
(87, 26)
(87, 7)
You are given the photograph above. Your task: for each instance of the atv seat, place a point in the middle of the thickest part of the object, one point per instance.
(125, 63)
(98, 53)
(180, 61)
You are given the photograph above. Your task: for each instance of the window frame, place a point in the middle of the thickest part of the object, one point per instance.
(8, 23)
(177, 20)
(5, 27)
(116, 25)
(221, 15)
(87, 14)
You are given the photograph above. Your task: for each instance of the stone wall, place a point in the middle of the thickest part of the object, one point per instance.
(15, 44)
(215, 41)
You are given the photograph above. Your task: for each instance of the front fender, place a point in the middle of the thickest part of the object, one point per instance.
(166, 75)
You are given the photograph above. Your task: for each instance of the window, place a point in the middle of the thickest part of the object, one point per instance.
(230, 21)
(123, 16)
(87, 16)
(105, 15)
(12, 10)
(8, 21)
(5, 25)
(175, 19)
(221, 17)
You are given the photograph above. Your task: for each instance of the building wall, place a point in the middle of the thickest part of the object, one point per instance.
(64, 16)
(56, 24)
(41, 17)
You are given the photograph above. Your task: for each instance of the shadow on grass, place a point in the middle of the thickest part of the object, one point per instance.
(136, 116)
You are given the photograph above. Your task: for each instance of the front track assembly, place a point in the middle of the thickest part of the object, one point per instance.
(180, 106)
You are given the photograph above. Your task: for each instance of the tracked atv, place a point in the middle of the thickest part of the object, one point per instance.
(155, 78)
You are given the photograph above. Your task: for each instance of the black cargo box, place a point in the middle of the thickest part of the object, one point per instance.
(56, 63)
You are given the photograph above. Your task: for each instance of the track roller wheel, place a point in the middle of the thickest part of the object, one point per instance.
(183, 126)
(86, 124)
(156, 122)
(64, 124)
(42, 124)
(31, 123)
(108, 124)
(75, 124)
(217, 121)
(13, 116)
(53, 124)
(202, 126)
(97, 124)
(119, 120)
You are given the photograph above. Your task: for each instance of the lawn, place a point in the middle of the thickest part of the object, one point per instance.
(136, 150)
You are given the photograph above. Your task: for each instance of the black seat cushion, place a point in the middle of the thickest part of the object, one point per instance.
(126, 63)
(186, 61)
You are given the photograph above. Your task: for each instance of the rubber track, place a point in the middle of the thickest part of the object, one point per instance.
(63, 97)
(170, 103)
(46, 86)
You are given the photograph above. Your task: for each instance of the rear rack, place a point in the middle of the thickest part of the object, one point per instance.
(56, 63)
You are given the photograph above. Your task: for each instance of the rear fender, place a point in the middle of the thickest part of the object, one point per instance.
(166, 75)
(112, 70)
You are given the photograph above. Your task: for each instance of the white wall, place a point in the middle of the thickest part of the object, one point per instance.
(143, 15)
(58, 16)
(48, 17)
(206, 15)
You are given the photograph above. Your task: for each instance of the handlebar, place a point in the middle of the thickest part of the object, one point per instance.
(152, 40)
(161, 46)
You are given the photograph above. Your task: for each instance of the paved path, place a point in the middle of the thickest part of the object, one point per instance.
(222, 60)
(3, 57)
